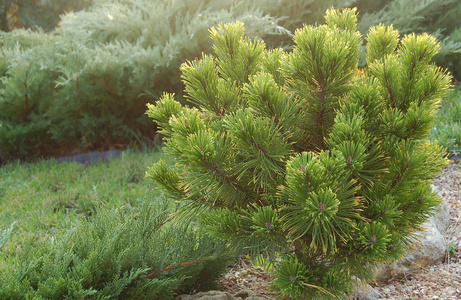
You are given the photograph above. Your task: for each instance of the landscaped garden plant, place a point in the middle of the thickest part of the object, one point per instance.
(303, 154)
(85, 85)
(119, 254)
(4, 235)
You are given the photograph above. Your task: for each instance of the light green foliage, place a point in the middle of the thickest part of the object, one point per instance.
(31, 13)
(83, 230)
(452, 248)
(438, 17)
(408, 18)
(100, 67)
(86, 84)
(164, 22)
(120, 254)
(26, 93)
(294, 14)
(46, 198)
(4, 235)
(303, 154)
(447, 129)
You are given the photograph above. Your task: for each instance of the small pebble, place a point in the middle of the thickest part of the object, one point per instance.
(444, 273)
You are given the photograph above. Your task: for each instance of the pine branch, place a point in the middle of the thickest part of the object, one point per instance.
(153, 274)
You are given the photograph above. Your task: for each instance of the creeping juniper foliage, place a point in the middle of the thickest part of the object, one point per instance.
(4, 235)
(119, 254)
(304, 154)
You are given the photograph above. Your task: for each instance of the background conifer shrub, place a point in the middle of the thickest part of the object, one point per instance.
(303, 154)
(85, 85)
(103, 64)
(437, 17)
(32, 13)
(119, 254)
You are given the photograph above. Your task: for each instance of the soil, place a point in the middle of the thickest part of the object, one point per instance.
(440, 280)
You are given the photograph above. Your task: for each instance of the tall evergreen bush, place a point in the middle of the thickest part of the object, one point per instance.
(303, 154)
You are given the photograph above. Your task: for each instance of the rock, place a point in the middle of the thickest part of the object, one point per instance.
(249, 295)
(441, 216)
(210, 295)
(218, 295)
(243, 294)
(430, 248)
(363, 292)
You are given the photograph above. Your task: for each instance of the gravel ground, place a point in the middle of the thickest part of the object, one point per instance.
(437, 281)
(442, 280)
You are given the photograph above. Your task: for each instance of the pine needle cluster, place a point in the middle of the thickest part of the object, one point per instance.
(302, 153)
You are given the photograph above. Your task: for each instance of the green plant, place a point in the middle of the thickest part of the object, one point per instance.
(452, 248)
(26, 93)
(119, 254)
(4, 235)
(447, 129)
(31, 13)
(293, 14)
(438, 17)
(85, 85)
(305, 155)
(45, 199)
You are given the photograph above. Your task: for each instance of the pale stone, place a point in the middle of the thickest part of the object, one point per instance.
(249, 295)
(429, 248)
(442, 215)
(363, 292)
(218, 295)
(211, 295)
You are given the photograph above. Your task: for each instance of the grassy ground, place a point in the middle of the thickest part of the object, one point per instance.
(44, 199)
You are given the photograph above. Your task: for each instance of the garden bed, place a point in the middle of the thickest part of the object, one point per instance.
(436, 281)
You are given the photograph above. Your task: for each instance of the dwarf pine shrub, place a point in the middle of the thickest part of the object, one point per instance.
(304, 154)
(121, 254)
